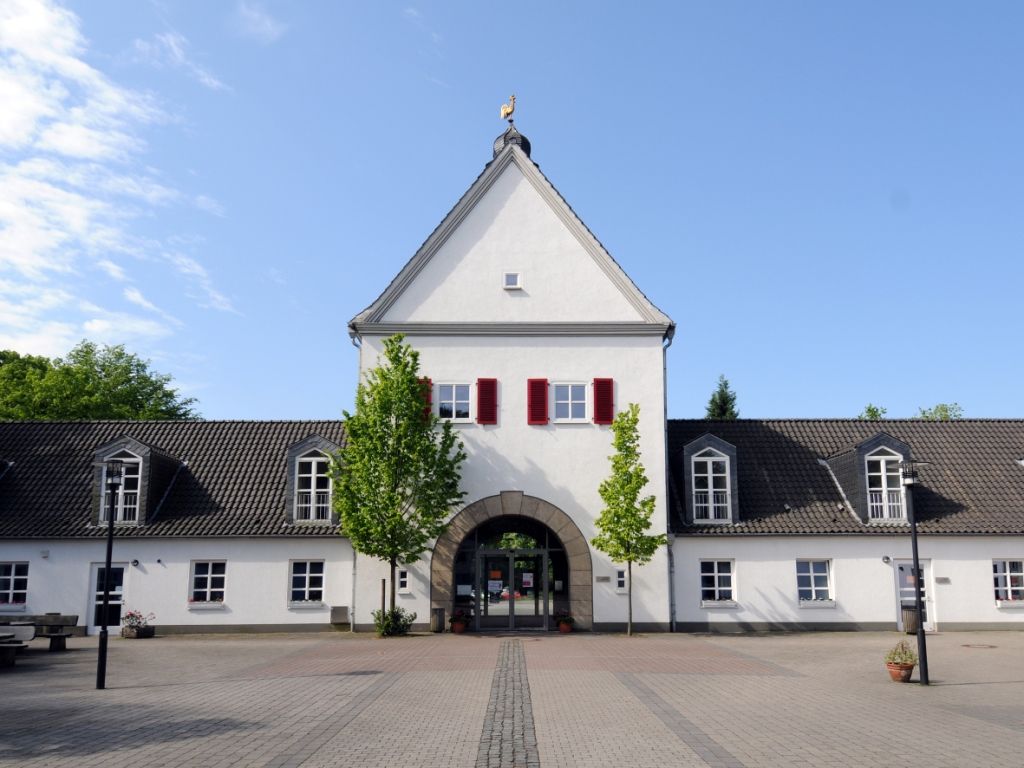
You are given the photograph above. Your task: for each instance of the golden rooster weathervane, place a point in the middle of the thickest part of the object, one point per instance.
(508, 109)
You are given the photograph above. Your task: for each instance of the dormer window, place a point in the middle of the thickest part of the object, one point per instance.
(710, 473)
(312, 488)
(711, 484)
(126, 495)
(885, 491)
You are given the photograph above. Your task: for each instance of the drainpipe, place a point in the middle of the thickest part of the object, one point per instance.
(671, 584)
(352, 612)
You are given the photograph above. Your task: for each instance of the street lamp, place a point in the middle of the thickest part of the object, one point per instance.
(908, 471)
(114, 475)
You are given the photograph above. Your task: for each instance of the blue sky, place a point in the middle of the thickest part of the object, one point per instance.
(827, 198)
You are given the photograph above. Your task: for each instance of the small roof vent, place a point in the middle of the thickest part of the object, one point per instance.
(511, 136)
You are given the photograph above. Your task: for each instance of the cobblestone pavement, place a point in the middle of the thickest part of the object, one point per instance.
(524, 701)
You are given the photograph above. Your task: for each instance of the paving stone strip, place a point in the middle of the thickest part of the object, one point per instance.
(705, 747)
(508, 739)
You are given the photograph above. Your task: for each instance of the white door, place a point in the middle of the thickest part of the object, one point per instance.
(905, 584)
(117, 571)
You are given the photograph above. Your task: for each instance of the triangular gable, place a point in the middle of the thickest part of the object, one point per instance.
(624, 307)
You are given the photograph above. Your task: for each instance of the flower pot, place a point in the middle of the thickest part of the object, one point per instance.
(565, 627)
(900, 673)
(137, 633)
(458, 627)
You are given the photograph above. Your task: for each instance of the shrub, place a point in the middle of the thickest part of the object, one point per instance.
(902, 653)
(393, 622)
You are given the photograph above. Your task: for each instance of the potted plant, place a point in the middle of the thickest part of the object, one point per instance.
(459, 621)
(900, 662)
(565, 621)
(135, 625)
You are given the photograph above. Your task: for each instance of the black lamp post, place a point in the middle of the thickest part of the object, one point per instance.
(908, 471)
(114, 470)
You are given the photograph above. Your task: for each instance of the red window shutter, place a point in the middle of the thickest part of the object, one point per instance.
(427, 387)
(486, 401)
(536, 401)
(604, 401)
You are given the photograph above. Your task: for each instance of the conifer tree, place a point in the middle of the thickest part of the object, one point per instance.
(722, 405)
(626, 517)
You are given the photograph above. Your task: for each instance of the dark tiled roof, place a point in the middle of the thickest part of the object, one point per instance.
(233, 484)
(975, 484)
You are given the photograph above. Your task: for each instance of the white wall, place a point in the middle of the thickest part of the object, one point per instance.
(959, 586)
(560, 463)
(256, 587)
(512, 228)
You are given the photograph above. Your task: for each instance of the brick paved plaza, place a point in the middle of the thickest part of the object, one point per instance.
(526, 700)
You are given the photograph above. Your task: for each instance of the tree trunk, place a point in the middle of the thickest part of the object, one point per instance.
(394, 565)
(629, 598)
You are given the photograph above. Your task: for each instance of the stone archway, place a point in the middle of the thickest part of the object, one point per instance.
(515, 503)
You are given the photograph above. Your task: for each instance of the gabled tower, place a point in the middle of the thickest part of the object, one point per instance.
(533, 337)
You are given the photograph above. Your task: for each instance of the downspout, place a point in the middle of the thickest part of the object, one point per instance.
(352, 613)
(670, 538)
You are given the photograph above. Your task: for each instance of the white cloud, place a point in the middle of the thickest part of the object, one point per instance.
(208, 204)
(134, 295)
(73, 186)
(170, 49)
(196, 273)
(253, 21)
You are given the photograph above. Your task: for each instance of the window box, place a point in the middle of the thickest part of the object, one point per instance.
(200, 605)
(817, 603)
(1010, 604)
(305, 605)
(719, 604)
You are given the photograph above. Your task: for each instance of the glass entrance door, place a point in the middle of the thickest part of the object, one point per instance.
(512, 590)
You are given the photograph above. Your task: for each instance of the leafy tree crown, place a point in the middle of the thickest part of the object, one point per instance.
(397, 477)
(626, 517)
(91, 382)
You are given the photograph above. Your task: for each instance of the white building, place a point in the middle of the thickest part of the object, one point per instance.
(532, 337)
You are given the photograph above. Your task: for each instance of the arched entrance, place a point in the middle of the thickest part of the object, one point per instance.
(549, 548)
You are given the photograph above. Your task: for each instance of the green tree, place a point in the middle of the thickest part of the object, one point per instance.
(722, 405)
(872, 412)
(91, 382)
(397, 477)
(626, 517)
(941, 412)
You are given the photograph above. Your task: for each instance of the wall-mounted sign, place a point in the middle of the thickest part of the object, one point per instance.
(527, 580)
(494, 585)
(464, 590)
(495, 575)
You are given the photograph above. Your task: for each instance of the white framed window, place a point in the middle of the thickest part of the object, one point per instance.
(403, 581)
(711, 491)
(814, 580)
(512, 281)
(717, 584)
(13, 585)
(307, 581)
(620, 581)
(208, 581)
(312, 488)
(126, 496)
(570, 401)
(453, 401)
(1008, 580)
(885, 488)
